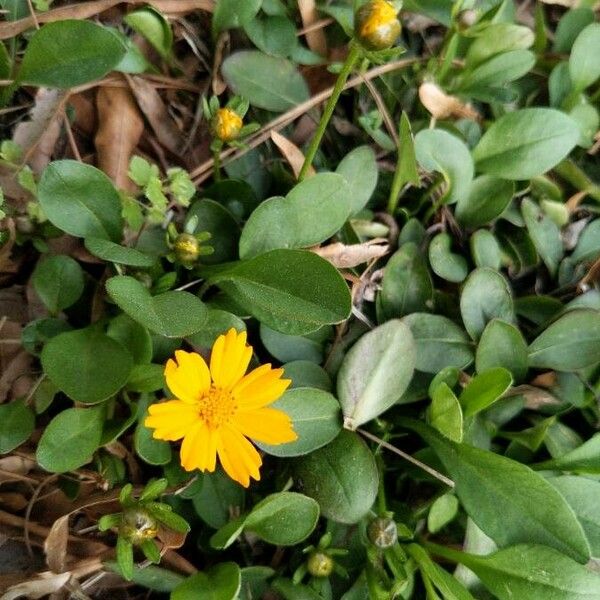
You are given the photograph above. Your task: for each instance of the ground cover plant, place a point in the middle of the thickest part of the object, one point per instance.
(299, 300)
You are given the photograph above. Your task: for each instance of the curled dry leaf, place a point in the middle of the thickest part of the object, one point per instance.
(120, 128)
(55, 545)
(535, 397)
(155, 110)
(345, 257)
(15, 467)
(38, 136)
(315, 38)
(291, 153)
(13, 382)
(44, 584)
(442, 105)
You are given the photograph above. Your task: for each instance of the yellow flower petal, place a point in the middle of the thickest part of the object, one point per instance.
(266, 425)
(189, 379)
(230, 358)
(238, 456)
(199, 448)
(171, 420)
(260, 387)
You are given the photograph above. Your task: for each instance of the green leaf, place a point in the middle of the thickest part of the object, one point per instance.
(487, 199)
(17, 422)
(408, 161)
(439, 342)
(407, 285)
(532, 572)
(266, 81)
(584, 67)
(507, 500)
(150, 577)
(58, 281)
(588, 244)
(291, 291)
(132, 336)
(582, 495)
(115, 253)
(445, 413)
(70, 439)
(545, 136)
(502, 345)
(283, 519)
(316, 418)
(287, 348)
(86, 364)
(217, 499)
(221, 582)
(172, 314)
(359, 169)
(342, 477)
(571, 24)
(583, 459)
(444, 263)
(68, 53)
(154, 27)
(438, 150)
(125, 557)
(217, 322)
(497, 71)
(230, 14)
(544, 233)
(375, 372)
(485, 250)
(571, 343)
(485, 389)
(485, 296)
(498, 38)
(312, 212)
(307, 374)
(275, 35)
(80, 200)
(442, 511)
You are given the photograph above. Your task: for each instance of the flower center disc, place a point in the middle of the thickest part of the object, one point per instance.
(216, 407)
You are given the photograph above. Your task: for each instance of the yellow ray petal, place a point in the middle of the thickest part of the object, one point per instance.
(188, 378)
(260, 387)
(199, 448)
(229, 358)
(171, 420)
(266, 425)
(238, 456)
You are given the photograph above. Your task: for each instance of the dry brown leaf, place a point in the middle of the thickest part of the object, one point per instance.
(315, 38)
(38, 136)
(155, 110)
(15, 465)
(44, 584)
(85, 10)
(545, 380)
(120, 128)
(535, 398)
(345, 257)
(19, 366)
(443, 106)
(567, 3)
(291, 153)
(55, 545)
(222, 47)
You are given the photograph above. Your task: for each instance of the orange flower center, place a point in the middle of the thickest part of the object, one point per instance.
(217, 407)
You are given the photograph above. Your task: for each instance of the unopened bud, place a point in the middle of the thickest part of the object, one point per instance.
(227, 125)
(377, 25)
(319, 564)
(383, 532)
(138, 526)
(187, 248)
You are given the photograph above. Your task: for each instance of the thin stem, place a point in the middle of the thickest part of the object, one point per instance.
(407, 457)
(217, 164)
(396, 188)
(349, 64)
(443, 551)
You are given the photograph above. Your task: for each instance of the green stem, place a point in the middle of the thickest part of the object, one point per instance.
(570, 172)
(396, 185)
(351, 59)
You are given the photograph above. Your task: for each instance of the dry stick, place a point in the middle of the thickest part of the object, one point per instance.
(203, 171)
(407, 457)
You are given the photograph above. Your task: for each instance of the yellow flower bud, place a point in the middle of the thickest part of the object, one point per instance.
(137, 526)
(187, 248)
(227, 125)
(377, 25)
(319, 564)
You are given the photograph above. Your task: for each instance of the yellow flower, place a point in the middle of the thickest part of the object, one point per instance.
(227, 124)
(377, 25)
(217, 410)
